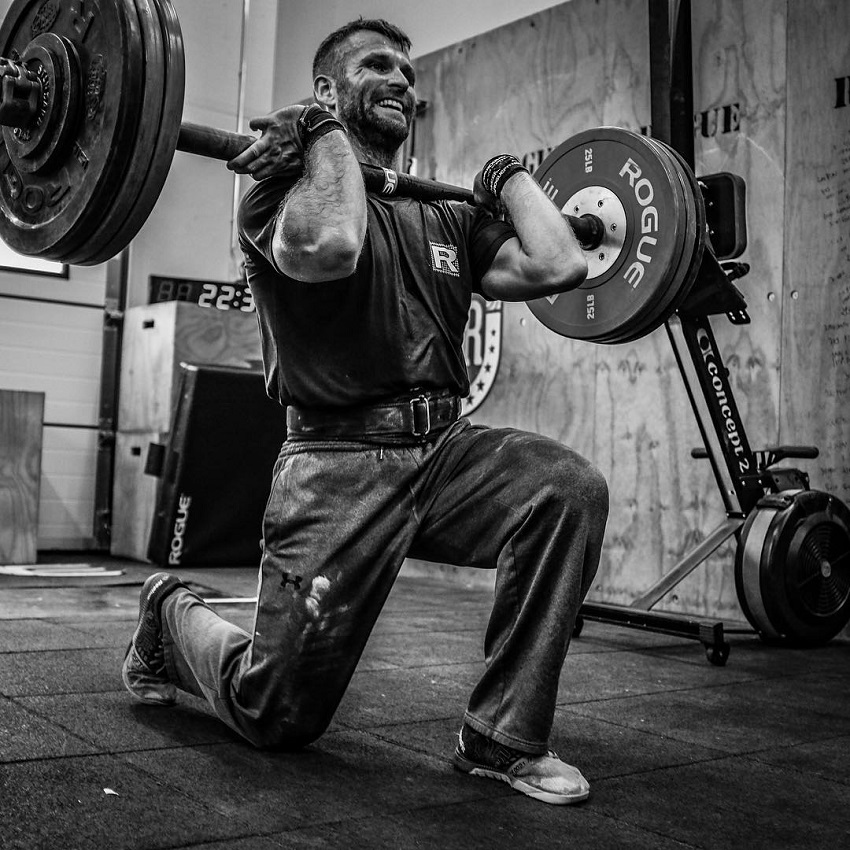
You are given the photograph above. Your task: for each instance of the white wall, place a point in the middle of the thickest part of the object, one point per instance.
(51, 334)
(431, 25)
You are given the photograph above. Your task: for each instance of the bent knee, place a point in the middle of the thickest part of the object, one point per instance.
(595, 486)
(284, 735)
(578, 481)
(287, 737)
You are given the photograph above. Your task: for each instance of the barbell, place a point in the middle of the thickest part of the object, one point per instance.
(91, 95)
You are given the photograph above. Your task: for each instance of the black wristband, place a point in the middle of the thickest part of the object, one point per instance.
(498, 171)
(314, 122)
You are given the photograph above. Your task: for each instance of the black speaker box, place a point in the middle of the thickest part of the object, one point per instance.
(215, 470)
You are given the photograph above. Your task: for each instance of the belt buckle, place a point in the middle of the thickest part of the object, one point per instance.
(414, 402)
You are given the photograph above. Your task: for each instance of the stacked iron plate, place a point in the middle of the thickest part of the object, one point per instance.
(114, 98)
(159, 127)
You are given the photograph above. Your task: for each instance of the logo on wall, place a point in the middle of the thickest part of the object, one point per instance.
(482, 349)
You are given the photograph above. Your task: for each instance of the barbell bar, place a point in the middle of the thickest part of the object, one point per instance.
(22, 92)
(91, 97)
(221, 144)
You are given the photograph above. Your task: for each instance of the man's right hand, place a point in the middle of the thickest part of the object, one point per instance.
(485, 199)
(278, 151)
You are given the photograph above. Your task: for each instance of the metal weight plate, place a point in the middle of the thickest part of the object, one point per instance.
(154, 152)
(697, 234)
(149, 108)
(655, 314)
(51, 211)
(610, 304)
(792, 567)
(693, 227)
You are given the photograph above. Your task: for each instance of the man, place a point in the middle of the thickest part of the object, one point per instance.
(362, 302)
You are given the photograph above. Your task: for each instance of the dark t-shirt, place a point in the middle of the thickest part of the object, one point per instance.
(396, 324)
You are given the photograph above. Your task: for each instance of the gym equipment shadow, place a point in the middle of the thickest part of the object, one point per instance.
(679, 753)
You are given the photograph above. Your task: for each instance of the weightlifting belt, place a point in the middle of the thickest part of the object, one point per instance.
(416, 417)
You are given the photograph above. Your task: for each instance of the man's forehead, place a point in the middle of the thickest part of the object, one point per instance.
(362, 42)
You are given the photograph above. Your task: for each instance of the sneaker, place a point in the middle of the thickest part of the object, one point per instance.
(143, 671)
(544, 777)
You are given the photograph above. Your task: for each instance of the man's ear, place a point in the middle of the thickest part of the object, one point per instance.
(324, 92)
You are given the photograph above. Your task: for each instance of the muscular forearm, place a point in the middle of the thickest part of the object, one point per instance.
(321, 226)
(551, 257)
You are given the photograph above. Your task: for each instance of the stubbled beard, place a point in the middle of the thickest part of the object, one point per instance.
(373, 132)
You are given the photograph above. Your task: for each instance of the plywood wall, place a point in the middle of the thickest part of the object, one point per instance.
(739, 51)
(526, 87)
(815, 389)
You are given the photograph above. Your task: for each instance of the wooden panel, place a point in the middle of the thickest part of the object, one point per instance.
(525, 88)
(531, 84)
(21, 417)
(644, 433)
(134, 495)
(541, 383)
(158, 337)
(816, 303)
(739, 101)
(739, 98)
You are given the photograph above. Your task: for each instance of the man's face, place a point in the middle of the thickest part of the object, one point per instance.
(376, 99)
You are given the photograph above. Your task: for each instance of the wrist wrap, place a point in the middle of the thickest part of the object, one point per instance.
(498, 171)
(314, 122)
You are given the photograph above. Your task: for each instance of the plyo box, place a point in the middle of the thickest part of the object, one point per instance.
(157, 339)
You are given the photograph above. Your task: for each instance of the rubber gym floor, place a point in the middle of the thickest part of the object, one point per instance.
(679, 753)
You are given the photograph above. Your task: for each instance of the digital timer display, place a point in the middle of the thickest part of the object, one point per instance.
(232, 295)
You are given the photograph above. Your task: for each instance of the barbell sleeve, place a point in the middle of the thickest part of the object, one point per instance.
(221, 144)
(212, 143)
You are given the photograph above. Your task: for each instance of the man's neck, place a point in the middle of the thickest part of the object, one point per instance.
(371, 156)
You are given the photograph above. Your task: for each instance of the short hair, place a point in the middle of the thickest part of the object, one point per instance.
(328, 59)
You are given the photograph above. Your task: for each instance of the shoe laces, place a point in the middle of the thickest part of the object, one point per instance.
(485, 750)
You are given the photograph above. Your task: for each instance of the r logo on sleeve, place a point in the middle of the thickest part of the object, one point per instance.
(444, 259)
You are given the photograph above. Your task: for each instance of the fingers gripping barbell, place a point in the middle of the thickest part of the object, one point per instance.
(91, 96)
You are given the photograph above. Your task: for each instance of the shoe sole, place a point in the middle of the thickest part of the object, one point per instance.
(472, 769)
